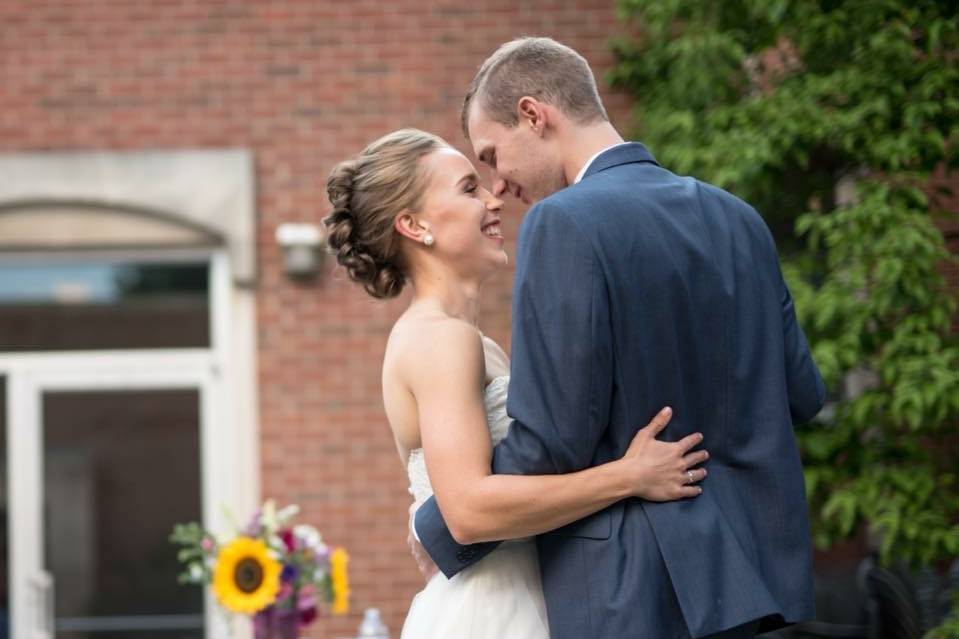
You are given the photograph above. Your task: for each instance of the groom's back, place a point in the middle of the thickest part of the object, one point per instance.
(693, 285)
(700, 321)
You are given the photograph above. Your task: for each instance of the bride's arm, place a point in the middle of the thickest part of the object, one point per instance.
(447, 381)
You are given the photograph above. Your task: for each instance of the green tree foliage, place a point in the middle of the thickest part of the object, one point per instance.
(830, 116)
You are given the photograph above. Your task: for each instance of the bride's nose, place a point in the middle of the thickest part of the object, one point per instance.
(492, 202)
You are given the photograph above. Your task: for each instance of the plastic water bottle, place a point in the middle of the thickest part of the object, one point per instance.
(373, 626)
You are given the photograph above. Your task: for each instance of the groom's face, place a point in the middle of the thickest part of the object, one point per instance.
(521, 163)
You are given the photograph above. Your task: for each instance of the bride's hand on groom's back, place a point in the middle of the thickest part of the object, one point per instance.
(664, 471)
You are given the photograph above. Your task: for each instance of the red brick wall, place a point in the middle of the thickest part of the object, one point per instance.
(303, 84)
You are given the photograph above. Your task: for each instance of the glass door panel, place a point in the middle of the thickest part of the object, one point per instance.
(119, 469)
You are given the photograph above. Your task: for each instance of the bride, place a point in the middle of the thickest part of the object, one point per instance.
(410, 208)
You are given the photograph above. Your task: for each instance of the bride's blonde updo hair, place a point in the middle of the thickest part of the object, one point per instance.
(367, 193)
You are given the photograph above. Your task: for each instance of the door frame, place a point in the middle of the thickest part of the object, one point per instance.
(223, 375)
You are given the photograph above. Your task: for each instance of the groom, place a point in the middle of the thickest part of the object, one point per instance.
(636, 288)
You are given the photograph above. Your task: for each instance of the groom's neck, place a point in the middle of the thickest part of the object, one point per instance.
(583, 142)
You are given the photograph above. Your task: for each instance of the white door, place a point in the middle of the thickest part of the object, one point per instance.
(105, 454)
(122, 412)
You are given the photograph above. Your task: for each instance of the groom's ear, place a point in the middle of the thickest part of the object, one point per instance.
(532, 113)
(408, 226)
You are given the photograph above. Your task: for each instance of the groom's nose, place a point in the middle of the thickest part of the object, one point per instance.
(499, 186)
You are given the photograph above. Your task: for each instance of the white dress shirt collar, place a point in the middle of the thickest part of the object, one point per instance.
(586, 166)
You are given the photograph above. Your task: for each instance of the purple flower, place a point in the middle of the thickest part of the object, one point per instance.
(289, 574)
(253, 528)
(322, 553)
(306, 598)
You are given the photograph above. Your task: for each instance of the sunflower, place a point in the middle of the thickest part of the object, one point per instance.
(246, 578)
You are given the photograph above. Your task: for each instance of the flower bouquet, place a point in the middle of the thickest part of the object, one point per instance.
(275, 571)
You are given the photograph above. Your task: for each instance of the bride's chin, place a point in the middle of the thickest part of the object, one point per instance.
(502, 260)
(494, 267)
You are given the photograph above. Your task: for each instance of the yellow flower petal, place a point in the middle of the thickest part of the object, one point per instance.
(246, 577)
(341, 583)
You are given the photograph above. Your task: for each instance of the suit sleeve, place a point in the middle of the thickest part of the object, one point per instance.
(448, 555)
(561, 372)
(561, 380)
(804, 384)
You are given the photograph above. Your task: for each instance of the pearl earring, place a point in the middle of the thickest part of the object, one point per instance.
(428, 239)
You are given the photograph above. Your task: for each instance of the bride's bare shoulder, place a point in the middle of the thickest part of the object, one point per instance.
(425, 351)
(419, 337)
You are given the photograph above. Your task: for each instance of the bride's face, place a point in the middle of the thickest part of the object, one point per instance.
(462, 215)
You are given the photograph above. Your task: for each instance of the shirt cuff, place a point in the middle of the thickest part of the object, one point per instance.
(413, 526)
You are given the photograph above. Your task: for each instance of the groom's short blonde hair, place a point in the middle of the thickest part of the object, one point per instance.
(538, 67)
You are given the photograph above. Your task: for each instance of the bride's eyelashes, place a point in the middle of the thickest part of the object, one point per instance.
(470, 188)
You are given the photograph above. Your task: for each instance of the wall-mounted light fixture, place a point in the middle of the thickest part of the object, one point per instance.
(302, 256)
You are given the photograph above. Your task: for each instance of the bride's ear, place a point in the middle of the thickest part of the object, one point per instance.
(408, 225)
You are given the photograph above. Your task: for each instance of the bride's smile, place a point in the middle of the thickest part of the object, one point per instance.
(461, 215)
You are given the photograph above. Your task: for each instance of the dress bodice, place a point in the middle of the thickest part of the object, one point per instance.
(494, 400)
(506, 581)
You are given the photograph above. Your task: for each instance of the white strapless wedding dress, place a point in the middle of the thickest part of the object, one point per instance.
(498, 597)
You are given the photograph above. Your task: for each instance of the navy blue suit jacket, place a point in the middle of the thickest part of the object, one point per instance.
(636, 289)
